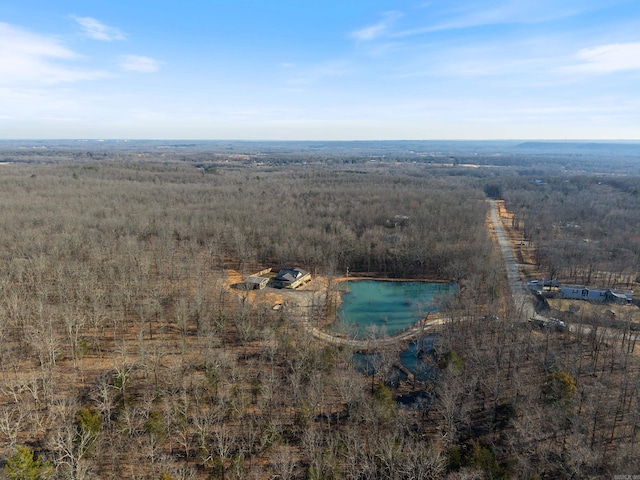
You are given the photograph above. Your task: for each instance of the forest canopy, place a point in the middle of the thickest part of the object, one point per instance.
(125, 351)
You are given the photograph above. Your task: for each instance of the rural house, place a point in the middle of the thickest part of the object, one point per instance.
(290, 278)
(580, 292)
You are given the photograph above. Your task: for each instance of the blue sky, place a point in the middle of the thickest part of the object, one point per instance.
(375, 69)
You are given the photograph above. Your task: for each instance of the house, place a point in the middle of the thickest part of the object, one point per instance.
(290, 278)
(601, 295)
(580, 292)
(255, 283)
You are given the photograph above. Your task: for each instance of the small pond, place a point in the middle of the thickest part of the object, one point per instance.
(380, 307)
(417, 358)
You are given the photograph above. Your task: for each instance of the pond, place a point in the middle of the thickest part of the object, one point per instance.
(380, 307)
(417, 358)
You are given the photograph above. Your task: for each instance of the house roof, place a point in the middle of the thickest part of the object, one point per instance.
(622, 294)
(290, 274)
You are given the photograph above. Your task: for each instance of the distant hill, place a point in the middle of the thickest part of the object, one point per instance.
(622, 148)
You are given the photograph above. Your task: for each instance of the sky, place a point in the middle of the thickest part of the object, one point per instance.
(325, 70)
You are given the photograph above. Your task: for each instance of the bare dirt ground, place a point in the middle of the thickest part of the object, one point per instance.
(305, 296)
(523, 252)
(520, 297)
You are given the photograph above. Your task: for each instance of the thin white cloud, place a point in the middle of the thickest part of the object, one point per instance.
(97, 30)
(21, 41)
(32, 59)
(460, 15)
(376, 30)
(139, 63)
(611, 58)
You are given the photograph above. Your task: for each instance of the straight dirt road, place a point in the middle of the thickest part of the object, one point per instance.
(519, 295)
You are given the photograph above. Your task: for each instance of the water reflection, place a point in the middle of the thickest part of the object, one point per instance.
(418, 359)
(375, 308)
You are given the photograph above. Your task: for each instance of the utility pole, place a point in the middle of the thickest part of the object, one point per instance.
(347, 279)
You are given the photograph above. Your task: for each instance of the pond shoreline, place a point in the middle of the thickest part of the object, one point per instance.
(367, 276)
(380, 308)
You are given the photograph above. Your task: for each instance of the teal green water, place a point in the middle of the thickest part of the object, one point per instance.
(377, 307)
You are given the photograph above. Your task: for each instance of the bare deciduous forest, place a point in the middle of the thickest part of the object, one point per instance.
(125, 353)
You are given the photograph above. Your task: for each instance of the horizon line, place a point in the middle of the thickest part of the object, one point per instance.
(115, 139)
